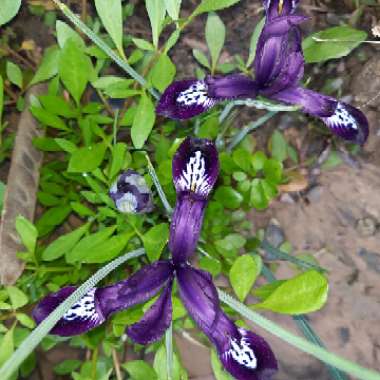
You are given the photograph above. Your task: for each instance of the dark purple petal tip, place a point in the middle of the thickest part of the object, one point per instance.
(131, 193)
(81, 317)
(249, 357)
(195, 167)
(185, 99)
(275, 8)
(349, 123)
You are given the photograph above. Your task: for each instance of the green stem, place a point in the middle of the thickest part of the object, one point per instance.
(158, 186)
(169, 351)
(236, 140)
(280, 255)
(306, 329)
(298, 342)
(32, 341)
(103, 46)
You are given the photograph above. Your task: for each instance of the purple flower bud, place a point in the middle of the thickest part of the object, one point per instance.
(131, 193)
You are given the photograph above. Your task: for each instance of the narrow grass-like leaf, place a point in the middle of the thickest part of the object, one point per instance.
(298, 342)
(169, 351)
(32, 341)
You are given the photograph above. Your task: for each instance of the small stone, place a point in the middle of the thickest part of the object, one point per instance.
(314, 194)
(274, 235)
(371, 258)
(344, 334)
(366, 227)
(287, 198)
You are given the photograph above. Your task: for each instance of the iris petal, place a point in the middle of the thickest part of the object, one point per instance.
(276, 8)
(155, 321)
(195, 167)
(185, 99)
(342, 119)
(81, 317)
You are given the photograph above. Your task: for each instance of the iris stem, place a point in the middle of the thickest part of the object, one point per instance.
(271, 250)
(169, 351)
(36, 336)
(298, 342)
(158, 186)
(306, 329)
(120, 61)
(236, 140)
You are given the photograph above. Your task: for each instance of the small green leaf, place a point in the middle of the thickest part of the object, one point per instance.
(48, 66)
(25, 320)
(159, 364)
(110, 13)
(140, 370)
(211, 265)
(88, 243)
(156, 12)
(243, 275)
(65, 33)
(18, 297)
(228, 197)
(155, 240)
(163, 72)
(143, 44)
(14, 74)
(47, 118)
(52, 218)
(75, 69)
(258, 199)
(342, 40)
(278, 146)
(201, 58)
(273, 170)
(213, 5)
(258, 160)
(173, 7)
(215, 37)
(118, 158)
(143, 121)
(9, 9)
(58, 106)
(27, 232)
(264, 291)
(67, 366)
(64, 243)
(87, 158)
(302, 294)
(6, 346)
(254, 39)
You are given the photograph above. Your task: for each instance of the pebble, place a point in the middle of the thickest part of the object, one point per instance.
(366, 227)
(314, 194)
(371, 258)
(274, 234)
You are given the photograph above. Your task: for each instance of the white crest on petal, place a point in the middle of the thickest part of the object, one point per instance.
(127, 203)
(341, 117)
(195, 95)
(84, 309)
(194, 178)
(241, 352)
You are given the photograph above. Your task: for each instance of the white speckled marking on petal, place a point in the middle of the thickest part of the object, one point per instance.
(241, 352)
(194, 178)
(84, 309)
(195, 95)
(341, 117)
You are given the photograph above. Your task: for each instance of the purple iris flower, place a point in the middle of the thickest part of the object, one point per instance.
(131, 194)
(244, 354)
(279, 68)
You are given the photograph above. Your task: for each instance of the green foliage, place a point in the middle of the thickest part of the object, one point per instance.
(335, 42)
(9, 9)
(215, 37)
(139, 370)
(213, 5)
(302, 294)
(155, 240)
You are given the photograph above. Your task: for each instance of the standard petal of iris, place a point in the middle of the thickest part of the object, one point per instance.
(139, 288)
(276, 8)
(81, 317)
(155, 321)
(131, 193)
(342, 119)
(185, 227)
(185, 99)
(195, 167)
